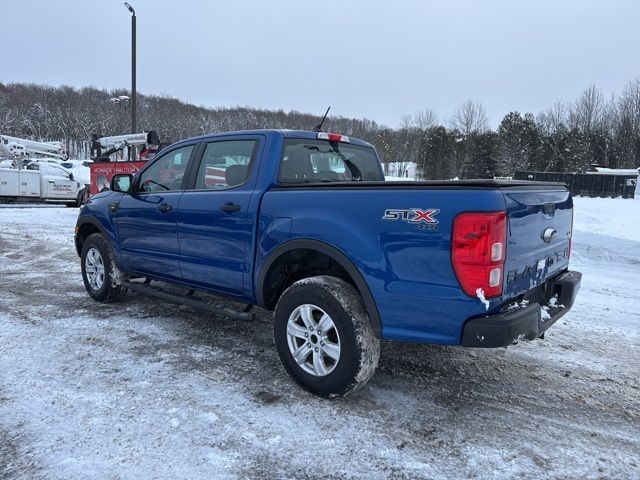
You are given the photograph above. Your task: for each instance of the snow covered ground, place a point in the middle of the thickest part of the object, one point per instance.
(145, 389)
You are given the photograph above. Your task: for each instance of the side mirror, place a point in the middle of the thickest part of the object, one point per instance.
(121, 182)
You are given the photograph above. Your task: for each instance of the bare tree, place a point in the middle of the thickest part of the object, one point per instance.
(8, 115)
(421, 120)
(610, 115)
(553, 117)
(470, 118)
(588, 112)
(628, 124)
(629, 107)
(425, 119)
(406, 121)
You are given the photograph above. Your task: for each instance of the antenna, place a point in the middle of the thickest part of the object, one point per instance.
(318, 128)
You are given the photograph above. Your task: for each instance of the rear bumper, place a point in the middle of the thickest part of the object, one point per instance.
(505, 328)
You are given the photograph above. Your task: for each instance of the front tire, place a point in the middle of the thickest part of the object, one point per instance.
(324, 337)
(99, 272)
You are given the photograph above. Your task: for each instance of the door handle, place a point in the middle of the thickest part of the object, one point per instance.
(230, 207)
(164, 208)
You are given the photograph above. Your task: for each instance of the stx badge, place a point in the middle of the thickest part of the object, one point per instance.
(422, 219)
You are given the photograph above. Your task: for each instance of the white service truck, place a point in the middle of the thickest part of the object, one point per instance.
(41, 181)
(31, 173)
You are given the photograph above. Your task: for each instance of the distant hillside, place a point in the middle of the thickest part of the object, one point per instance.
(68, 114)
(566, 137)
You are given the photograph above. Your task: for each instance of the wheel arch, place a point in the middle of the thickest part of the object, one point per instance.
(341, 259)
(89, 226)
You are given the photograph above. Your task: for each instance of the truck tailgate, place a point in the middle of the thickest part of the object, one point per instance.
(538, 236)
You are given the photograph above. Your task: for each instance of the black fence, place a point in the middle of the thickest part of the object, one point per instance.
(587, 184)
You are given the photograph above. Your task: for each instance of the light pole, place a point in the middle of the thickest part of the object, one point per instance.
(133, 68)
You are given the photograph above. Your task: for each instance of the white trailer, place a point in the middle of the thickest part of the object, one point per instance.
(41, 182)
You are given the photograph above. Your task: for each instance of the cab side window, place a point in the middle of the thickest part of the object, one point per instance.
(58, 172)
(166, 173)
(225, 164)
(51, 170)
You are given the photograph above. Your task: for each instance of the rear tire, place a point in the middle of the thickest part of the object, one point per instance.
(333, 362)
(99, 272)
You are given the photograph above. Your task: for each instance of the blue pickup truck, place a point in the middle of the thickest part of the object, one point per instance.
(303, 224)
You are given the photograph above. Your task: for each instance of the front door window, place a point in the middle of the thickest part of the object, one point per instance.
(167, 173)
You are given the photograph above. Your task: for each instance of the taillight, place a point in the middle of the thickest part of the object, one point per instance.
(573, 209)
(478, 248)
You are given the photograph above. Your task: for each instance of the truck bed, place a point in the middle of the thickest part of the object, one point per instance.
(409, 264)
(475, 183)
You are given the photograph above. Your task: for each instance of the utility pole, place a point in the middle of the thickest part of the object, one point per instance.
(134, 100)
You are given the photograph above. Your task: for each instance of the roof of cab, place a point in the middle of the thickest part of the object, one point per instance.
(271, 131)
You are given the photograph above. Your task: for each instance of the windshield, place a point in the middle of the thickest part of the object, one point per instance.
(315, 161)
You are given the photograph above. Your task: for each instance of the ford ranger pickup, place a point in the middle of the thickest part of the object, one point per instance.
(303, 224)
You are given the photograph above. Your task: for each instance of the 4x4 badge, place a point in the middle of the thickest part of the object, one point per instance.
(423, 219)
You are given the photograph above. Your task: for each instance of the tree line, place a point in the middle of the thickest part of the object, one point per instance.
(566, 137)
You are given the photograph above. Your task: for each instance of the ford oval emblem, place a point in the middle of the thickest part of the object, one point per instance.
(548, 234)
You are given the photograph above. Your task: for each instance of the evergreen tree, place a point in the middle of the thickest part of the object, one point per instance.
(483, 155)
(520, 145)
(435, 153)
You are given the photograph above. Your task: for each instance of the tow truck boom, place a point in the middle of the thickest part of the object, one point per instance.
(103, 167)
(20, 148)
(118, 142)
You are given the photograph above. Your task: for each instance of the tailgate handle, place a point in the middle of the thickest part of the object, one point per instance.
(548, 234)
(549, 208)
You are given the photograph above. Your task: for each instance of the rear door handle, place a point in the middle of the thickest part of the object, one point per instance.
(164, 208)
(230, 207)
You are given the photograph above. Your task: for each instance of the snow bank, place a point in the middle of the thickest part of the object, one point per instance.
(406, 170)
(609, 217)
(616, 171)
(389, 178)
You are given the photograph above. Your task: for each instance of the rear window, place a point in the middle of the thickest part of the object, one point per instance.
(317, 161)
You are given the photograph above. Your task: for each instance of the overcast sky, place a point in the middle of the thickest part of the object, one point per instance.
(373, 59)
